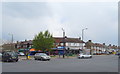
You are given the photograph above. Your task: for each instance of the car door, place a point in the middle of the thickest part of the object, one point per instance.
(37, 56)
(6, 56)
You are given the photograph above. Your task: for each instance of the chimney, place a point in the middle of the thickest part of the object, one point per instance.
(17, 41)
(90, 41)
(109, 44)
(65, 37)
(114, 45)
(103, 43)
(25, 40)
(79, 38)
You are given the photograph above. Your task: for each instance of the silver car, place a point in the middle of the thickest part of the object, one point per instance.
(84, 56)
(41, 56)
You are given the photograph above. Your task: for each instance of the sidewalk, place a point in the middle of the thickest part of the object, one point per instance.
(53, 57)
(61, 56)
(24, 58)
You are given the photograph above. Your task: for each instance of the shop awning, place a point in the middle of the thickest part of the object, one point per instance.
(32, 49)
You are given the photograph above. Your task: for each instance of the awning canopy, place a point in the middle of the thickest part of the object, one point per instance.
(21, 50)
(32, 49)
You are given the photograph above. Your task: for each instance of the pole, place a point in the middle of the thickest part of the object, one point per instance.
(83, 36)
(12, 38)
(11, 41)
(63, 42)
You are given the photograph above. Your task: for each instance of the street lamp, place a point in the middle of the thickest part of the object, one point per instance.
(11, 40)
(11, 37)
(83, 35)
(63, 42)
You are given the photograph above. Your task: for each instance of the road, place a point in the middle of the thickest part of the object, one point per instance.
(102, 63)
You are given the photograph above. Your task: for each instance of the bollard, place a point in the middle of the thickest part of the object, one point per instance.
(28, 56)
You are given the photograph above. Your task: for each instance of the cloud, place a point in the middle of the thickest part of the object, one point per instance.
(25, 20)
(0, 23)
(100, 19)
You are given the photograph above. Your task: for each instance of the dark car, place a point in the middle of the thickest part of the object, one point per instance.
(119, 56)
(0, 56)
(118, 53)
(9, 56)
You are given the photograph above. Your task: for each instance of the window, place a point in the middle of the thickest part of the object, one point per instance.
(61, 44)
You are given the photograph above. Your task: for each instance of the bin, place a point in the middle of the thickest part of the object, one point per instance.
(28, 56)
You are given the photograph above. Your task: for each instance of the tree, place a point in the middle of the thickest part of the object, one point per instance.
(43, 41)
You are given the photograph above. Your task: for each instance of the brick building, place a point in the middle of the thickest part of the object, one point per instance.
(73, 44)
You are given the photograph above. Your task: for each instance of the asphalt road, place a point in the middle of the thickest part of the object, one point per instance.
(104, 63)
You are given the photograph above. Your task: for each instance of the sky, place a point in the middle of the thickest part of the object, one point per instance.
(26, 19)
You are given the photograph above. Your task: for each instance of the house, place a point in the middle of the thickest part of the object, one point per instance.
(74, 45)
(0, 48)
(113, 49)
(24, 44)
(9, 46)
(96, 48)
(60, 44)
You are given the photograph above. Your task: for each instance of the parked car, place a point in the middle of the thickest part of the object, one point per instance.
(118, 53)
(0, 56)
(84, 56)
(41, 56)
(9, 56)
(21, 54)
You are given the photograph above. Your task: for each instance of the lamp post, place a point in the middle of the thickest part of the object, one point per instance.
(83, 35)
(63, 43)
(11, 40)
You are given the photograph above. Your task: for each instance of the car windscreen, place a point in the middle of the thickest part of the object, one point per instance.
(82, 54)
(12, 53)
(42, 54)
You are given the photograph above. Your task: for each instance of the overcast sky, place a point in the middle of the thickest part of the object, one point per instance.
(25, 19)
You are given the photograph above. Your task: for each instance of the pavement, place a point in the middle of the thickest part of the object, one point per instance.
(53, 57)
(57, 57)
(99, 63)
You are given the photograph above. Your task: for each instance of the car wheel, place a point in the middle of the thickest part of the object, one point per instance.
(90, 56)
(41, 59)
(17, 60)
(35, 58)
(7, 60)
(82, 57)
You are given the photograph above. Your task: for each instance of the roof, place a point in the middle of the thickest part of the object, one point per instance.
(25, 42)
(72, 40)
